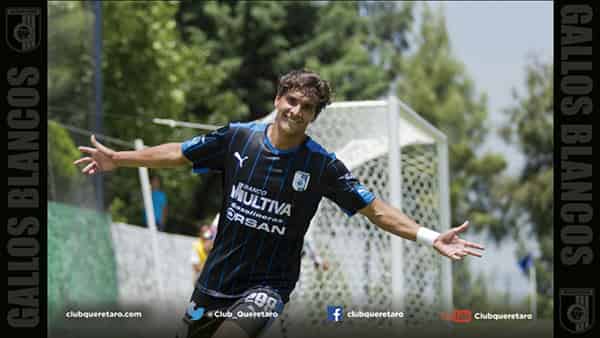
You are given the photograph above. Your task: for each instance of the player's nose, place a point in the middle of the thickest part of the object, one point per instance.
(295, 111)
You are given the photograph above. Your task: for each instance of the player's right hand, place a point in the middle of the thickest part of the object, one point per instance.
(100, 159)
(450, 245)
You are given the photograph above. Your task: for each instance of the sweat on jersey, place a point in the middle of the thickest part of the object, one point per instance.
(270, 196)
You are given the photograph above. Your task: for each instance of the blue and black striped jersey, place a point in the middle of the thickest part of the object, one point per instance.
(270, 196)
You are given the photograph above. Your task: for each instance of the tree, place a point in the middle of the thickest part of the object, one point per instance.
(389, 25)
(247, 36)
(70, 76)
(437, 86)
(263, 40)
(63, 176)
(70, 97)
(149, 72)
(530, 127)
(472, 289)
(338, 49)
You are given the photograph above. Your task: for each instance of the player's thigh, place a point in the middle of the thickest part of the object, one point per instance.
(255, 312)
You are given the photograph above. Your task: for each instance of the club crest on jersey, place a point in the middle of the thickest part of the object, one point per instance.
(300, 182)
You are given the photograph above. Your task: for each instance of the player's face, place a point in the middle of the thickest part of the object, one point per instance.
(294, 112)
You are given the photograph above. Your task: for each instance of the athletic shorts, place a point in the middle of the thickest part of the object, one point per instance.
(254, 312)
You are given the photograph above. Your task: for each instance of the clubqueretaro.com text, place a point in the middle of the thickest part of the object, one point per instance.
(102, 315)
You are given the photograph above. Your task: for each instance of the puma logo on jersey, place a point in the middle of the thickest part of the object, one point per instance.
(239, 158)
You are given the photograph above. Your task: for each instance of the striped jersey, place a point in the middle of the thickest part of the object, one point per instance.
(270, 196)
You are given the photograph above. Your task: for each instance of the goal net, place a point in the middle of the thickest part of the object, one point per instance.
(403, 160)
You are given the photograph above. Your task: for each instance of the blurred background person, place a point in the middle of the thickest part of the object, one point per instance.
(200, 249)
(159, 202)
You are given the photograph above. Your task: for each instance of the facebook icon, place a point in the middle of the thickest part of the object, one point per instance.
(335, 313)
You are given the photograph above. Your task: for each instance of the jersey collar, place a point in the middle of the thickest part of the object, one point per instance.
(278, 151)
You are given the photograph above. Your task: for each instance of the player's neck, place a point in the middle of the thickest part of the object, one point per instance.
(283, 141)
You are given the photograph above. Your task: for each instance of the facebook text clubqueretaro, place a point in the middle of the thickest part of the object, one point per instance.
(375, 314)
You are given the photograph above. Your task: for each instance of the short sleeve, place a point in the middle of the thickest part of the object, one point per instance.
(207, 152)
(344, 189)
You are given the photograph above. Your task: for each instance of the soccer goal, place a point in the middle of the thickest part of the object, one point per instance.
(402, 159)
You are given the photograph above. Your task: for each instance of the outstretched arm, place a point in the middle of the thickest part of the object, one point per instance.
(394, 221)
(102, 158)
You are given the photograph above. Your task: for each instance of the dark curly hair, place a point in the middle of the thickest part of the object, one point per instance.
(309, 84)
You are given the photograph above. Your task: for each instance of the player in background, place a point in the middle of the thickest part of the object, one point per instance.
(200, 249)
(274, 177)
(160, 204)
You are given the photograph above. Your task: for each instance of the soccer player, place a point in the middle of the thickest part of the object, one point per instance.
(274, 177)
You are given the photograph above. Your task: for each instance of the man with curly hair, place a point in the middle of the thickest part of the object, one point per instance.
(274, 177)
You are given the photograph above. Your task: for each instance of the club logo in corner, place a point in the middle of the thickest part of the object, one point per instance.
(23, 28)
(300, 182)
(576, 308)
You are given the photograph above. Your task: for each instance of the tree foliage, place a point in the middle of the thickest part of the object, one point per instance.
(209, 62)
(434, 83)
(150, 72)
(70, 63)
(264, 40)
(530, 127)
(62, 151)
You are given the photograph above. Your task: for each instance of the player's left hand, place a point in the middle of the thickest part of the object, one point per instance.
(450, 245)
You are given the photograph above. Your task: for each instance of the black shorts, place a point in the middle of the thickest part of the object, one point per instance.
(254, 312)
